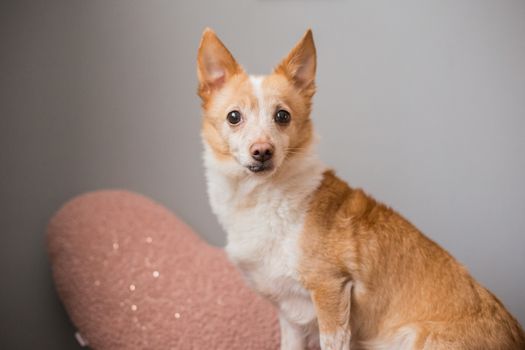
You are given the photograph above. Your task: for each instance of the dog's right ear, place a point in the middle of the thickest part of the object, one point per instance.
(215, 64)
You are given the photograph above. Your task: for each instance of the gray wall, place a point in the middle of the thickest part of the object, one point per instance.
(420, 103)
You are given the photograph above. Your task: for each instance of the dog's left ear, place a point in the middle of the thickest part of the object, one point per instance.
(300, 64)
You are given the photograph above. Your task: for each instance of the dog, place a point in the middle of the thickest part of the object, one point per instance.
(343, 270)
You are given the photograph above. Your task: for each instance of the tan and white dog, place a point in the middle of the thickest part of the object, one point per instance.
(342, 269)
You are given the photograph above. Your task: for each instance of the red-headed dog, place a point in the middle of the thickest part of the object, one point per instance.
(342, 269)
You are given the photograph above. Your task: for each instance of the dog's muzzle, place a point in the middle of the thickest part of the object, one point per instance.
(260, 166)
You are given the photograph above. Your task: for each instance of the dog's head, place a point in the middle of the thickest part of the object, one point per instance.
(254, 124)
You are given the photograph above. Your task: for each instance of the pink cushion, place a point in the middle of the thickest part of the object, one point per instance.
(133, 276)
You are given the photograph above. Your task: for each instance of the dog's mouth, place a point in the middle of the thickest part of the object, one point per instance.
(260, 167)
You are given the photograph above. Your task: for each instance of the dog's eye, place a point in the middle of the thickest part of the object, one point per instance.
(282, 117)
(234, 117)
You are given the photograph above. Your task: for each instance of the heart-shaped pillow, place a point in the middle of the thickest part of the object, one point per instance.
(133, 276)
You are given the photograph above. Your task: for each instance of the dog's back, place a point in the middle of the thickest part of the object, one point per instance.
(407, 292)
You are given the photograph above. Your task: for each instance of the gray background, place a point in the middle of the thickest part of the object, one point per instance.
(420, 103)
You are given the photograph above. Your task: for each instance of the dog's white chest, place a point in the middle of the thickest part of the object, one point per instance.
(264, 245)
(264, 220)
(263, 230)
(263, 241)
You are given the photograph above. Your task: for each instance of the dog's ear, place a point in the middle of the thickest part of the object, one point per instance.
(215, 64)
(300, 64)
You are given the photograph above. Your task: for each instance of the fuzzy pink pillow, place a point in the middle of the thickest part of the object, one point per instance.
(133, 276)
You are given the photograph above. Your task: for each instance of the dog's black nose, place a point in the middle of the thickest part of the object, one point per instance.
(261, 151)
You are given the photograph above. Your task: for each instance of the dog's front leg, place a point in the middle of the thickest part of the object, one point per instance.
(332, 304)
(292, 335)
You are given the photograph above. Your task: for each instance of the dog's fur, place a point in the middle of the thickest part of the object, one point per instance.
(330, 257)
